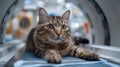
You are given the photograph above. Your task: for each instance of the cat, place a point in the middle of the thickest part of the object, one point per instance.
(51, 39)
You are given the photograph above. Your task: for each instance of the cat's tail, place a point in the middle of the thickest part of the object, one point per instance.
(80, 40)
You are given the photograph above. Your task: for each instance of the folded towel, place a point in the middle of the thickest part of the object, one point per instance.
(30, 60)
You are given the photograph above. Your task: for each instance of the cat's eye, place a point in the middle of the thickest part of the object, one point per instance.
(50, 26)
(63, 26)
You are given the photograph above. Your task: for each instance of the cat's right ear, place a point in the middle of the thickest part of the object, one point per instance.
(43, 15)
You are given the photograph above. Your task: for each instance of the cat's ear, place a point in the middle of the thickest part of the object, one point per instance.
(43, 15)
(66, 14)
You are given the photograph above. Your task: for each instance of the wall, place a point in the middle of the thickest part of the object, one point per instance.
(111, 9)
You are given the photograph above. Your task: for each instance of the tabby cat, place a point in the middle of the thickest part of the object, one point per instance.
(51, 39)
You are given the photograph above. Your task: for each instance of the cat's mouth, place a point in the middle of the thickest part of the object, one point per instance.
(56, 39)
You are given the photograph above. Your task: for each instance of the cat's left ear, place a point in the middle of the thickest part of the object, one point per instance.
(66, 15)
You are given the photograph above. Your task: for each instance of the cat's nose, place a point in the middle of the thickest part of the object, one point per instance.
(58, 34)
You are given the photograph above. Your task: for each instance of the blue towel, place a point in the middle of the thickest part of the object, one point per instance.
(30, 60)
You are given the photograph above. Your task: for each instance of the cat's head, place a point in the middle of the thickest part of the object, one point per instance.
(53, 28)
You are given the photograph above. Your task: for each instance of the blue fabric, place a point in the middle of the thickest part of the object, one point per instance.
(8, 40)
(30, 60)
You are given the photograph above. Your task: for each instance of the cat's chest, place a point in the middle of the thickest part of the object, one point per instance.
(58, 47)
(63, 49)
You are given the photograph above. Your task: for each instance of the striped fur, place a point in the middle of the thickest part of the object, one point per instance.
(51, 39)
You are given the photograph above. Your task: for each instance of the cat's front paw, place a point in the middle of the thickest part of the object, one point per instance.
(54, 58)
(81, 53)
(91, 57)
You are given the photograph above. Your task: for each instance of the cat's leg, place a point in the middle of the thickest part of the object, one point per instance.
(51, 56)
(81, 53)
